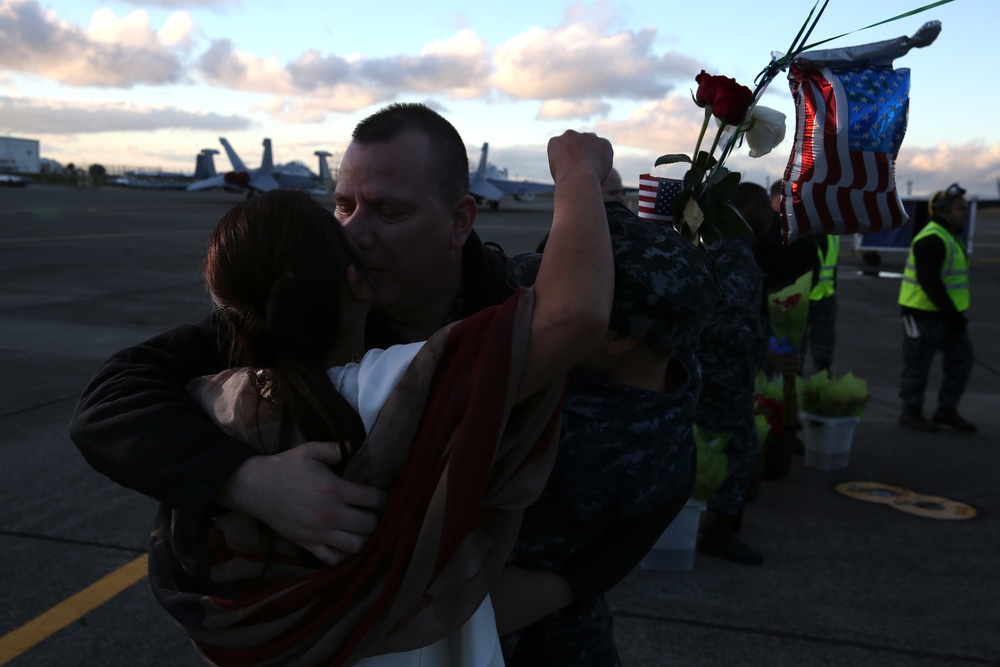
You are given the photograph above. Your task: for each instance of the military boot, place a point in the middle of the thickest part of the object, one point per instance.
(948, 416)
(717, 537)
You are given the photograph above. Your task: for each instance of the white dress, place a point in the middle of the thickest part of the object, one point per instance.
(366, 385)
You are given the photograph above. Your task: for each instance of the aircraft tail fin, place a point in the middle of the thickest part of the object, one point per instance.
(324, 167)
(481, 169)
(234, 159)
(267, 162)
(204, 164)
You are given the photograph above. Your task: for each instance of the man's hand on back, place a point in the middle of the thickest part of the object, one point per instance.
(300, 498)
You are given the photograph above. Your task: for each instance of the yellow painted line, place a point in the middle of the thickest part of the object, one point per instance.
(70, 610)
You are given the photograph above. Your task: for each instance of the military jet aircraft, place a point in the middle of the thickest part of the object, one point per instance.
(489, 184)
(266, 177)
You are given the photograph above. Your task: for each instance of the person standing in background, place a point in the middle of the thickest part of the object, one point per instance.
(934, 297)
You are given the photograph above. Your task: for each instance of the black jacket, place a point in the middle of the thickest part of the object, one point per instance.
(136, 423)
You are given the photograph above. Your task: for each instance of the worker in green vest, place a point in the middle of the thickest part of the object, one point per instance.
(934, 297)
(822, 319)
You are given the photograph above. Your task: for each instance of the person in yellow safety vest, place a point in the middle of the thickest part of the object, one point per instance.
(821, 324)
(934, 297)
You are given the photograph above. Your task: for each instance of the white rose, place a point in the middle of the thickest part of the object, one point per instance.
(767, 129)
(693, 215)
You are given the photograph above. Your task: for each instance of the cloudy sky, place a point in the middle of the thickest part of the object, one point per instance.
(149, 83)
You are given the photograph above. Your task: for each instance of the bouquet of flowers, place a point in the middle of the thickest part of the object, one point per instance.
(700, 208)
(713, 464)
(825, 396)
(787, 312)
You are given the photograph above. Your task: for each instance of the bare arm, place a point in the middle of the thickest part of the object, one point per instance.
(521, 597)
(575, 281)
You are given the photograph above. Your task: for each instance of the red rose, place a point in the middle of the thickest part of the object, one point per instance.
(707, 86)
(728, 99)
(731, 101)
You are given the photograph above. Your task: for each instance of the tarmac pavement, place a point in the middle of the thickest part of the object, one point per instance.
(84, 273)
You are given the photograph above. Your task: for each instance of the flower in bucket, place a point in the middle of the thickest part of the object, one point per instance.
(702, 209)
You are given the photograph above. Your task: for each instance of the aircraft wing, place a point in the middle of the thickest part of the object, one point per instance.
(484, 189)
(263, 182)
(522, 187)
(217, 181)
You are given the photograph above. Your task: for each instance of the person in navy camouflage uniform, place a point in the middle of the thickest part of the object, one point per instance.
(730, 350)
(626, 460)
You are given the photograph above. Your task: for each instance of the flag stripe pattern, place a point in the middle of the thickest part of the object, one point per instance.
(656, 197)
(849, 125)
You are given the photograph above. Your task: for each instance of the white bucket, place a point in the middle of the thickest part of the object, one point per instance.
(674, 550)
(827, 440)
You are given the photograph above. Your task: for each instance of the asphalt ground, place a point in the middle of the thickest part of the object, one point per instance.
(84, 273)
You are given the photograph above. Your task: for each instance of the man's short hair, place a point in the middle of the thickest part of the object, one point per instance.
(447, 155)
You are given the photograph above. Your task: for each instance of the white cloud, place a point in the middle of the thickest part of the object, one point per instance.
(974, 164)
(670, 125)
(457, 66)
(177, 29)
(186, 4)
(112, 52)
(31, 117)
(580, 60)
(222, 66)
(316, 84)
(132, 30)
(565, 109)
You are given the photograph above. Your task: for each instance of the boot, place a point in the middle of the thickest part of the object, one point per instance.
(915, 420)
(717, 537)
(949, 416)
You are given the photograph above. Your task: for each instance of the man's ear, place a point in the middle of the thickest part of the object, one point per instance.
(621, 344)
(357, 284)
(463, 215)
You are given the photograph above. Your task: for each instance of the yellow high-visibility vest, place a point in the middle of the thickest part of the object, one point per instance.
(825, 286)
(954, 273)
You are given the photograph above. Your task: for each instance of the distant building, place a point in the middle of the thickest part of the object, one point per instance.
(49, 166)
(20, 155)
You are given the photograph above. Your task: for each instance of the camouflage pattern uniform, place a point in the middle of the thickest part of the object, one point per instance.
(625, 466)
(730, 350)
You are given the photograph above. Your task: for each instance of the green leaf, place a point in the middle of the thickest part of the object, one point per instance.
(673, 158)
(725, 187)
(705, 160)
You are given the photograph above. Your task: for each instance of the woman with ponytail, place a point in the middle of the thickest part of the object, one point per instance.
(460, 432)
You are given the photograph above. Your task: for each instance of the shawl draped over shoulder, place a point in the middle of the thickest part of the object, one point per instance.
(460, 462)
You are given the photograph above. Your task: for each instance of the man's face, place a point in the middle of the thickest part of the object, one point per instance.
(957, 213)
(390, 203)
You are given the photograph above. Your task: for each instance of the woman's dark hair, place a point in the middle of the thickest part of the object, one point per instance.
(275, 269)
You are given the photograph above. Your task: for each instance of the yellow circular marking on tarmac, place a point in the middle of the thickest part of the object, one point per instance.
(70, 610)
(933, 507)
(904, 500)
(873, 492)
